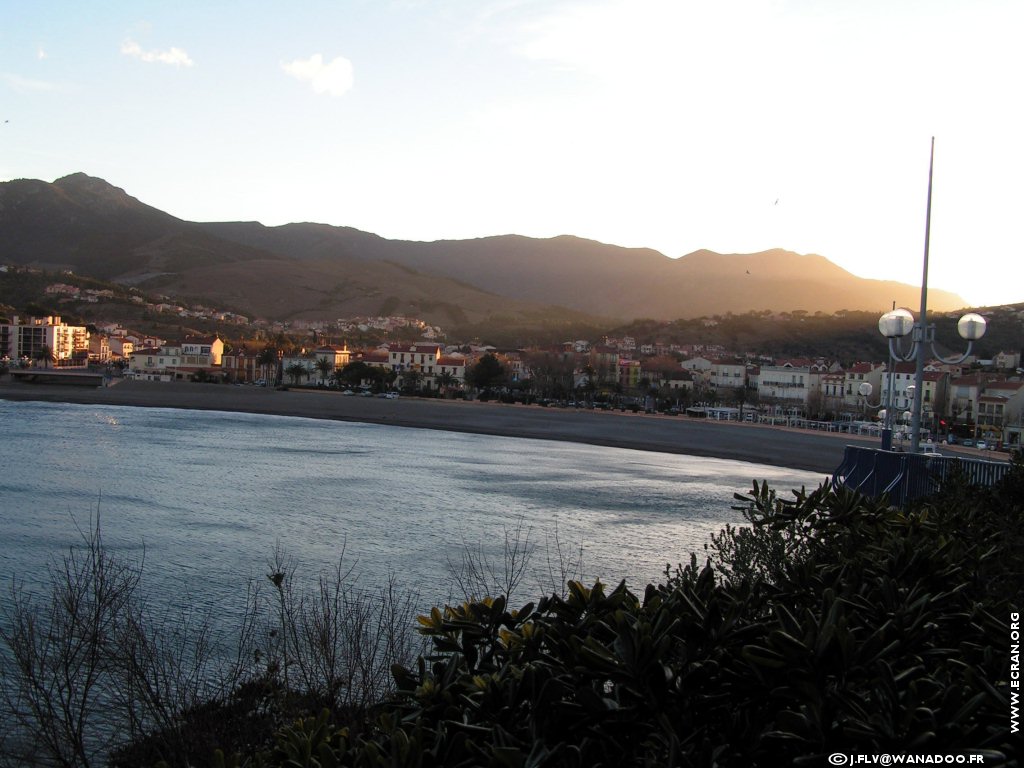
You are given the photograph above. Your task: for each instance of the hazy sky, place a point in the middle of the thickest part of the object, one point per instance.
(735, 126)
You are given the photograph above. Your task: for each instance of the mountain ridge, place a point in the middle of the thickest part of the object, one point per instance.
(319, 271)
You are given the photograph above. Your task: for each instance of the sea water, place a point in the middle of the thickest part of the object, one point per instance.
(204, 497)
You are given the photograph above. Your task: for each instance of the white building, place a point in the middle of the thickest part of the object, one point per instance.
(26, 339)
(156, 363)
(787, 385)
(728, 374)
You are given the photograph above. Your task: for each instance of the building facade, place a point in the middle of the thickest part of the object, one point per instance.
(44, 341)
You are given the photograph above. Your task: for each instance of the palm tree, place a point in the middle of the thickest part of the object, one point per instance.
(296, 372)
(267, 360)
(411, 380)
(445, 380)
(741, 396)
(44, 354)
(325, 367)
(337, 378)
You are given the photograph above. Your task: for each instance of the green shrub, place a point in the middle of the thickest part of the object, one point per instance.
(833, 623)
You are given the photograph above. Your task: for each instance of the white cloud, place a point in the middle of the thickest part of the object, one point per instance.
(334, 77)
(41, 54)
(174, 56)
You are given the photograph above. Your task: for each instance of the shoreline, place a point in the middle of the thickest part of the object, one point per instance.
(760, 444)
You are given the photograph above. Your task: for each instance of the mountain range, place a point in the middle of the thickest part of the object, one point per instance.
(317, 271)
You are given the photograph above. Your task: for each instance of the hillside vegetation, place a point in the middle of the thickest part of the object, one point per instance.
(319, 272)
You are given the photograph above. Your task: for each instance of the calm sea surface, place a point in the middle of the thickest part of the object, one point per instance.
(207, 496)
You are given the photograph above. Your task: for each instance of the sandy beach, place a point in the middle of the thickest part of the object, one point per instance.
(797, 449)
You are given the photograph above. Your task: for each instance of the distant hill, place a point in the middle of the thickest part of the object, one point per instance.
(316, 271)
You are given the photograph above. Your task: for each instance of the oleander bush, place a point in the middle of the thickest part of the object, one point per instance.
(832, 624)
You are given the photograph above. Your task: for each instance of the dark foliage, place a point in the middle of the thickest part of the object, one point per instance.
(833, 624)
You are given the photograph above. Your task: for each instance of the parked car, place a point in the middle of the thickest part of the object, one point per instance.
(968, 443)
(981, 445)
(348, 393)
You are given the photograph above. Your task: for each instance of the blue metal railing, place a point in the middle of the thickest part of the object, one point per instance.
(904, 477)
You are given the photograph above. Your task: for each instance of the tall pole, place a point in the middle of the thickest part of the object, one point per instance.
(921, 332)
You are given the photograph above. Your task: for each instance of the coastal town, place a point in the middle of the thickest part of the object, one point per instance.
(975, 402)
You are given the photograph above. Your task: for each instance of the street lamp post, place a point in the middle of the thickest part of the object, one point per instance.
(899, 323)
(864, 390)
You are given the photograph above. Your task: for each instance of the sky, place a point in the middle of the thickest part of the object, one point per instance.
(731, 125)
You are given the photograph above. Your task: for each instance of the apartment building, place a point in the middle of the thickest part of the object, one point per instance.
(30, 339)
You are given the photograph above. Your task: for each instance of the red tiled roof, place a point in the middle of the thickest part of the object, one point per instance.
(1006, 386)
(973, 380)
(986, 398)
(862, 368)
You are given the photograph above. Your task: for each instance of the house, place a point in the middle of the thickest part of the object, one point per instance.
(605, 362)
(450, 371)
(162, 363)
(299, 368)
(244, 365)
(788, 386)
(935, 386)
(853, 377)
(177, 361)
(1007, 361)
(376, 358)
(99, 348)
(728, 372)
(430, 366)
(414, 357)
(833, 386)
(963, 395)
(701, 365)
(1000, 407)
(203, 352)
(629, 374)
(121, 347)
(682, 381)
(335, 357)
(515, 365)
